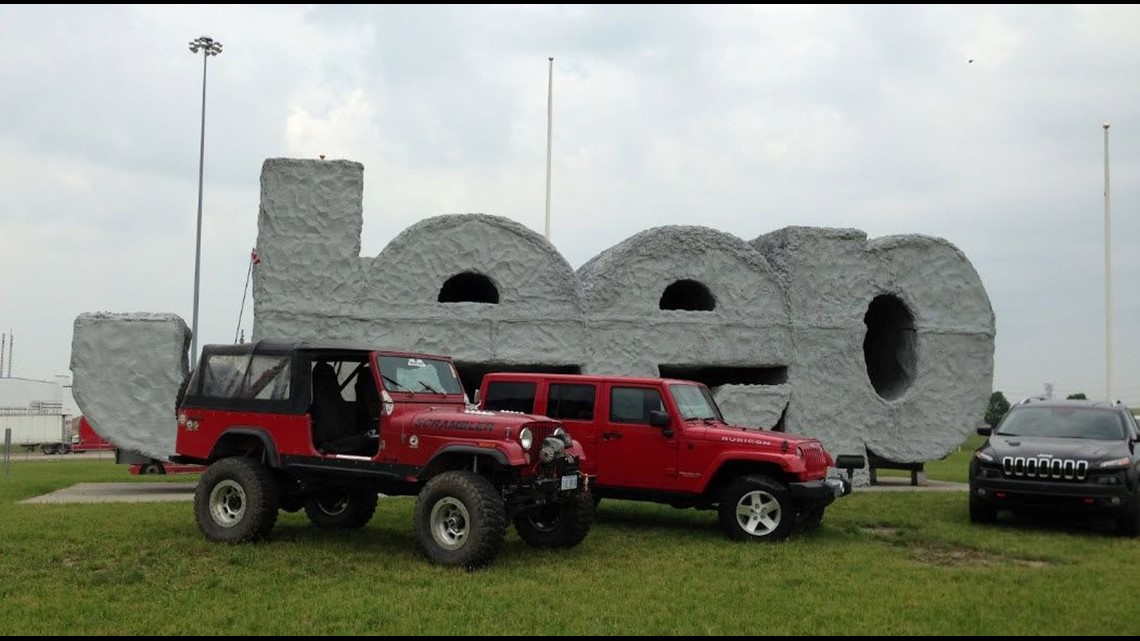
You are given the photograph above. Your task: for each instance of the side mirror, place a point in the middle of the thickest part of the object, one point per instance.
(475, 398)
(659, 418)
(985, 430)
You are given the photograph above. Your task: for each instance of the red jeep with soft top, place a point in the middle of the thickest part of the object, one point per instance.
(326, 428)
(665, 440)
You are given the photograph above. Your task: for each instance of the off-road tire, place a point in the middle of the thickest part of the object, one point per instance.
(341, 509)
(557, 525)
(1128, 524)
(982, 512)
(460, 520)
(763, 503)
(236, 501)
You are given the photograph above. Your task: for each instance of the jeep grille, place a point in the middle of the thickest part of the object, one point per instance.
(541, 431)
(815, 460)
(1044, 467)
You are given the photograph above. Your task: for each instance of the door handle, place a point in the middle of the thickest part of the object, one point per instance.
(609, 436)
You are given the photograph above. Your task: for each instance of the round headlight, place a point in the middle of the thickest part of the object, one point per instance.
(564, 436)
(526, 438)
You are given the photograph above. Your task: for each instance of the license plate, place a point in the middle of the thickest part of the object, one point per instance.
(570, 482)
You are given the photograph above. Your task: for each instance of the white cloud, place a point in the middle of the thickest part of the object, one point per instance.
(743, 118)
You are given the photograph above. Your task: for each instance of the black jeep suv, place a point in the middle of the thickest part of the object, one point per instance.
(1061, 455)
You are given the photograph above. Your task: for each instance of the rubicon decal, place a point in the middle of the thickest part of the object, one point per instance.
(746, 441)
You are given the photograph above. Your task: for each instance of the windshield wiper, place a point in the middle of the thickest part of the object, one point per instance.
(396, 384)
(430, 388)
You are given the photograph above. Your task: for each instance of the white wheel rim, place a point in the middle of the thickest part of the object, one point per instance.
(449, 523)
(227, 503)
(758, 513)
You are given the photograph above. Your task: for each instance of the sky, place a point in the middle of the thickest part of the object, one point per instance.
(978, 124)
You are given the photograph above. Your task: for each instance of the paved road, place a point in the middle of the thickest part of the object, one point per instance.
(20, 456)
(902, 484)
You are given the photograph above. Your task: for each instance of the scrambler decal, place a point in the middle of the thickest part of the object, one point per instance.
(458, 426)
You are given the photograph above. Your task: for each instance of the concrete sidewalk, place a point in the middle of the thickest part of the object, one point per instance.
(119, 493)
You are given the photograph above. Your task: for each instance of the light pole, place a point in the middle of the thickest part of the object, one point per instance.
(209, 47)
(549, 130)
(1107, 278)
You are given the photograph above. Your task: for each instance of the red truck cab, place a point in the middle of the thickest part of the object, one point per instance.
(86, 439)
(665, 440)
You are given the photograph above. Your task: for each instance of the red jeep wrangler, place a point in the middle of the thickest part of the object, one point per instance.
(325, 428)
(663, 440)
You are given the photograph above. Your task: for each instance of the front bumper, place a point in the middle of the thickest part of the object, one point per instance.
(542, 490)
(814, 494)
(1003, 493)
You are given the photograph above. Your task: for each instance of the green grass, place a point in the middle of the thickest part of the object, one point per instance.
(953, 467)
(897, 563)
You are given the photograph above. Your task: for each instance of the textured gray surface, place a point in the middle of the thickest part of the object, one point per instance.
(831, 276)
(126, 371)
(776, 325)
(312, 282)
(792, 304)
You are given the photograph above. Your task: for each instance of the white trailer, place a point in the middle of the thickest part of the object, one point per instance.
(45, 432)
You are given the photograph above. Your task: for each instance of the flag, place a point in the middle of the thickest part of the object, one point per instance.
(253, 257)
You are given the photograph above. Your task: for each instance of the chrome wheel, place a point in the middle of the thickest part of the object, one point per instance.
(334, 507)
(227, 503)
(449, 523)
(758, 513)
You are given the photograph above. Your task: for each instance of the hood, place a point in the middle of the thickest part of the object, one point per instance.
(471, 422)
(1062, 448)
(725, 433)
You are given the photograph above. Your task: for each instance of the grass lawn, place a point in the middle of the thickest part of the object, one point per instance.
(884, 563)
(954, 467)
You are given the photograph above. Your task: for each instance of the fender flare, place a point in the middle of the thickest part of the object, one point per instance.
(272, 458)
(472, 450)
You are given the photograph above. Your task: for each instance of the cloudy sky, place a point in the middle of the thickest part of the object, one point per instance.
(744, 119)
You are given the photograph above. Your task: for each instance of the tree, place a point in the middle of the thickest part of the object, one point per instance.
(1079, 396)
(997, 408)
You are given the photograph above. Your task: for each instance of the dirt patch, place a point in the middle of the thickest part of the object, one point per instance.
(958, 556)
(943, 554)
(881, 532)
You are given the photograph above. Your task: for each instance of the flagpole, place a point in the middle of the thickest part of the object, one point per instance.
(1107, 277)
(549, 136)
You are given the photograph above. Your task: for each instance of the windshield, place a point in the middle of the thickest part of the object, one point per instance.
(415, 374)
(695, 402)
(1063, 422)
